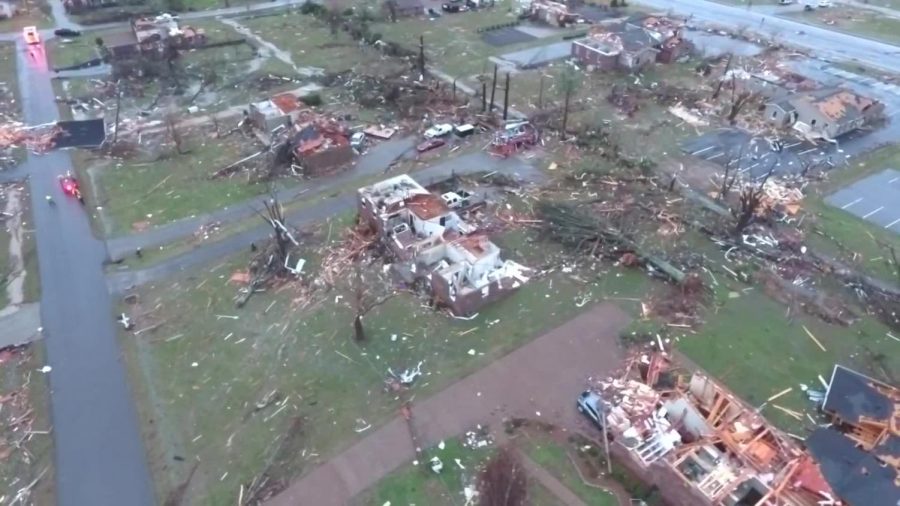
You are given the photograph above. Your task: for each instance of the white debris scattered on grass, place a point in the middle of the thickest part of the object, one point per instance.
(45, 369)
(472, 351)
(441, 445)
(436, 464)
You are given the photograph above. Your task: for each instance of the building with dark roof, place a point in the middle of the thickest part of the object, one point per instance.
(855, 476)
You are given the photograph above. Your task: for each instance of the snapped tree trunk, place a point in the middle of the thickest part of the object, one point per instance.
(565, 121)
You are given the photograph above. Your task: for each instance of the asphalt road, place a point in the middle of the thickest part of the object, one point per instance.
(99, 455)
(824, 43)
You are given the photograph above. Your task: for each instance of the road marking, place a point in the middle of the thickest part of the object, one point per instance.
(720, 153)
(891, 224)
(873, 212)
(892, 180)
(845, 206)
(794, 144)
(707, 148)
(810, 150)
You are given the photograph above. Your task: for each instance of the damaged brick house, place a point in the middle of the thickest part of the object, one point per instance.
(860, 452)
(698, 441)
(319, 144)
(633, 44)
(403, 8)
(431, 242)
(829, 112)
(153, 38)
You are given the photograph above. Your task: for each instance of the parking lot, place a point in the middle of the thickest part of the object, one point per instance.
(755, 156)
(875, 199)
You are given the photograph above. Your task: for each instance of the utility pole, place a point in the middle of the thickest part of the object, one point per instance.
(493, 88)
(541, 94)
(118, 108)
(483, 96)
(506, 98)
(422, 56)
(605, 437)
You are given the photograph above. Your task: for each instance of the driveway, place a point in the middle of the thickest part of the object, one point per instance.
(539, 380)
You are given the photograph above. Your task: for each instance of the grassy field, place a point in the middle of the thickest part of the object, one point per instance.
(65, 52)
(147, 192)
(34, 458)
(854, 21)
(308, 356)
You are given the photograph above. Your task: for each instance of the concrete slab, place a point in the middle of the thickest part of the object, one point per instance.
(20, 324)
(875, 199)
(539, 56)
(506, 36)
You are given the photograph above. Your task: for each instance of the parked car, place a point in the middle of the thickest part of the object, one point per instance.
(438, 130)
(464, 130)
(429, 145)
(358, 141)
(66, 32)
(31, 35)
(454, 6)
(590, 405)
(433, 13)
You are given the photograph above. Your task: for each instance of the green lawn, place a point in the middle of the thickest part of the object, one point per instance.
(854, 21)
(154, 192)
(308, 356)
(310, 42)
(65, 52)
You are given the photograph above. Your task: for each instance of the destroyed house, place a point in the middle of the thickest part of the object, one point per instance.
(630, 48)
(277, 111)
(319, 144)
(856, 477)
(432, 242)
(829, 112)
(121, 45)
(703, 436)
(76, 6)
(867, 411)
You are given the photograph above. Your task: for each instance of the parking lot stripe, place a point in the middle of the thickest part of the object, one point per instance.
(707, 148)
(845, 206)
(891, 224)
(873, 212)
(720, 153)
(892, 180)
(810, 150)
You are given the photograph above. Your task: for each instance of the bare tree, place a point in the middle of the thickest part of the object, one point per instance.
(724, 74)
(738, 100)
(503, 481)
(569, 82)
(365, 299)
(171, 120)
(750, 202)
(392, 10)
(272, 260)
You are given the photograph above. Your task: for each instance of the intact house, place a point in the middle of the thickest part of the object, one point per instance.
(719, 450)
(633, 44)
(430, 241)
(403, 8)
(860, 452)
(827, 113)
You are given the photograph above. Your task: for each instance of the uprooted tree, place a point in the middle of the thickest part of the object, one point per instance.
(503, 481)
(749, 203)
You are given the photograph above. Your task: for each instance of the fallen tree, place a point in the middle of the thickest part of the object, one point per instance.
(583, 232)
